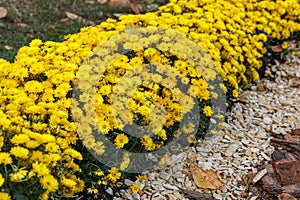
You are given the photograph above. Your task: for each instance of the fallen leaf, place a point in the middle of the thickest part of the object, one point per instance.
(65, 21)
(260, 87)
(8, 47)
(22, 25)
(72, 15)
(208, 179)
(30, 35)
(102, 1)
(292, 42)
(247, 179)
(276, 49)
(78, 18)
(89, 2)
(3, 12)
(119, 3)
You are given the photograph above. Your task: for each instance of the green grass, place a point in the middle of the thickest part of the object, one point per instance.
(46, 20)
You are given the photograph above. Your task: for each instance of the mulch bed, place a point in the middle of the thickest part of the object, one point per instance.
(280, 178)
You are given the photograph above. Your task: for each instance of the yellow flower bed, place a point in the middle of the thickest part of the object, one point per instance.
(38, 133)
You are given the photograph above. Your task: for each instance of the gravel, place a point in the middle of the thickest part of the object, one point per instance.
(243, 145)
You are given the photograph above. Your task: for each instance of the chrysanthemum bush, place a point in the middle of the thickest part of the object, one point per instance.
(39, 156)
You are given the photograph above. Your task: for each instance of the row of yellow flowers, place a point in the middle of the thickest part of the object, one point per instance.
(38, 133)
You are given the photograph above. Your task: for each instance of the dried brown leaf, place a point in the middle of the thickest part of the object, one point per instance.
(207, 179)
(261, 87)
(72, 15)
(3, 12)
(89, 2)
(22, 25)
(8, 47)
(247, 179)
(119, 3)
(65, 21)
(102, 1)
(276, 49)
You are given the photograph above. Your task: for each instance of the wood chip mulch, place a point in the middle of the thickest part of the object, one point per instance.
(280, 178)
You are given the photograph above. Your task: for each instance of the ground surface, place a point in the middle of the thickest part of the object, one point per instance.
(52, 19)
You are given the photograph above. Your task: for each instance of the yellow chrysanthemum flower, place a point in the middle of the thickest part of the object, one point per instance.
(18, 174)
(49, 183)
(33, 86)
(114, 174)
(2, 180)
(68, 182)
(5, 158)
(121, 140)
(135, 188)
(141, 177)
(19, 139)
(19, 152)
(41, 169)
(4, 196)
(207, 111)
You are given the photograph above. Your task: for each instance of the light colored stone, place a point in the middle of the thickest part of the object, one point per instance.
(170, 187)
(178, 195)
(151, 176)
(259, 175)
(245, 142)
(181, 180)
(128, 182)
(255, 150)
(158, 196)
(136, 196)
(172, 197)
(233, 147)
(204, 148)
(178, 175)
(109, 191)
(228, 153)
(265, 156)
(157, 185)
(205, 165)
(188, 183)
(217, 196)
(177, 167)
(267, 120)
(164, 175)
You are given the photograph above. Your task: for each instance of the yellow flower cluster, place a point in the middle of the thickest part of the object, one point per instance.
(37, 136)
(37, 132)
(150, 95)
